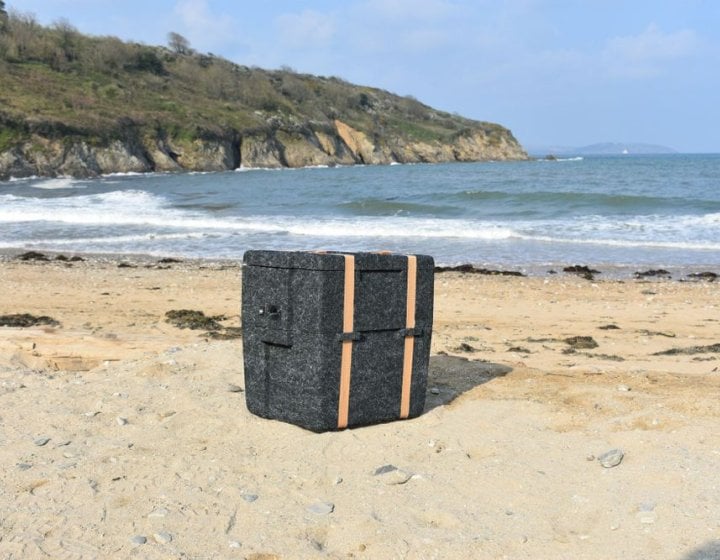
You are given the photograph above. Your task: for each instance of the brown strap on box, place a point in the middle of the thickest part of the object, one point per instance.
(346, 357)
(409, 338)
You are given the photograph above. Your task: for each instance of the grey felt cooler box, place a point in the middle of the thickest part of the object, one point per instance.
(294, 330)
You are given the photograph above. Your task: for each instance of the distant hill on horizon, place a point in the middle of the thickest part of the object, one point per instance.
(603, 148)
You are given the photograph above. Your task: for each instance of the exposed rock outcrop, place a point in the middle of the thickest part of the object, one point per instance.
(43, 152)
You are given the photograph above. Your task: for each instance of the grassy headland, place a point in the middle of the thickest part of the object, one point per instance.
(80, 105)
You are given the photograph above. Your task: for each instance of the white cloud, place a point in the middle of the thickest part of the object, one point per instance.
(306, 29)
(647, 54)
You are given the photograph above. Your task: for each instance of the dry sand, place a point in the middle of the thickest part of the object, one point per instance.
(115, 425)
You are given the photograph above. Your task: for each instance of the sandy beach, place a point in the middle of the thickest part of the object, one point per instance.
(125, 436)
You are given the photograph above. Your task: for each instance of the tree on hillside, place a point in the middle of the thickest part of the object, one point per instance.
(3, 17)
(178, 43)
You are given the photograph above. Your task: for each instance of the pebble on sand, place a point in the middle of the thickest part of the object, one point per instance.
(611, 458)
(163, 537)
(41, 441)
(321, 508)
(391, 475)
(138, 539)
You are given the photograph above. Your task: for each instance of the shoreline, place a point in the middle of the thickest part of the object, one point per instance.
(586, 270)
(123, 434)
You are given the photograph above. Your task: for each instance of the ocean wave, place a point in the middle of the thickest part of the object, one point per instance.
(627, 244)
(58, 183)
(390, 207)
(132, 174)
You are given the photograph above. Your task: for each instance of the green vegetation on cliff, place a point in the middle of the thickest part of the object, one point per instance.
(60, 88)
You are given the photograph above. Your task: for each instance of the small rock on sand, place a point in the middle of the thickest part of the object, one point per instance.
(611, 458)
(163, 537)
(321, 508)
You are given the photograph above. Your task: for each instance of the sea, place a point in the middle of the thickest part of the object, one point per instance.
(633, 212)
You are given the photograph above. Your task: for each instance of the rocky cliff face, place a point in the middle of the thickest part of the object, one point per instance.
(133, 149)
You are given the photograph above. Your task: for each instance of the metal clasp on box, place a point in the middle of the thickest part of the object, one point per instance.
(415, 331)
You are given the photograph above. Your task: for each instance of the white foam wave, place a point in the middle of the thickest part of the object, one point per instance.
(58, 183)
(388, 227)
(628, 244)
(127, 239)
(131, 174)
(22, 179)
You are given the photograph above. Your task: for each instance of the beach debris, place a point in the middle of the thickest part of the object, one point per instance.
(121, 421)
(162, 537)
(468, 268)
(709, 276)
(710, 348)
(234, 544)
(26, 320)
(465, 347)
(192, 319)
(581, 342)
(519, 349)
(624, 388)
(611, 458)
(126, 265)
(321, 508)
(138, 539)
(32, 256)
(609, 327)
(169, 260)
(583, 271)
(24, 466)
(391, 475)
(41, 441)
(232, 388)
(250, 498)
(654, 273)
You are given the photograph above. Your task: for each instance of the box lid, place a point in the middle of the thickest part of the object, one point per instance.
(330, 260)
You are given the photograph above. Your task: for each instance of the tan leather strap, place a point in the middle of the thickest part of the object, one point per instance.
(346, 357)
(409, 338)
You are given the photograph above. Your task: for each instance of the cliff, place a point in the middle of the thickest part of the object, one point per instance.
(76, 105)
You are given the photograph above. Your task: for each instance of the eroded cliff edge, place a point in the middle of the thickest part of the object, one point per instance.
(135, 149)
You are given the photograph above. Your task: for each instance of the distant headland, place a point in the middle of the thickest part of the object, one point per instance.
(604, 148)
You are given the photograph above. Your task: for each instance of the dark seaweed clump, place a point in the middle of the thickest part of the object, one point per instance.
(192, 319)
(582, 271)
(709, 276)
(32, 256)
(470, 269)
(689, 351)
(197, 320)
(581, 342)
(26, 320)
(655, 273)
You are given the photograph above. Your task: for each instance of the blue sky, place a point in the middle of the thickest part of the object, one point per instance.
(556, 72)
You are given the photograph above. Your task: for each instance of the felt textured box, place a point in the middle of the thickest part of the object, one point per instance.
(330, 340)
